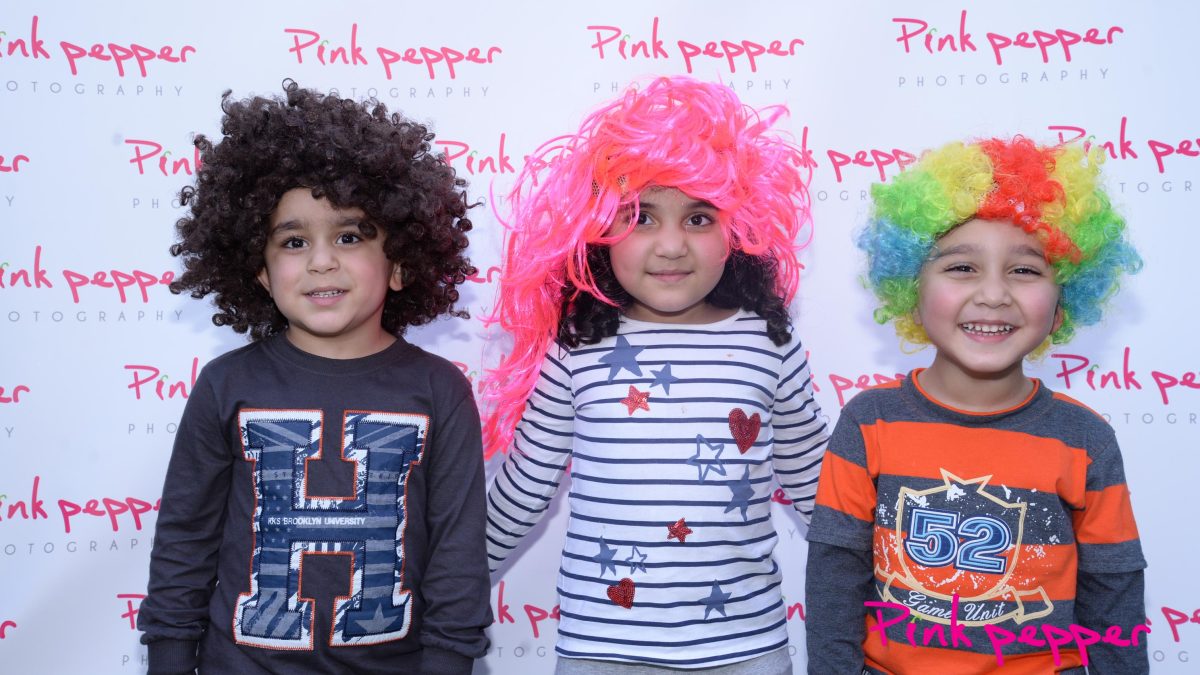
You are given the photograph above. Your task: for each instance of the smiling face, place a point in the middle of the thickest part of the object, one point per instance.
(328, 276)
(672, 259)
(987, 299)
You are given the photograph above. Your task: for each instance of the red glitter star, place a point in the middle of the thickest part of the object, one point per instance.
(679, 531)
(636, 399)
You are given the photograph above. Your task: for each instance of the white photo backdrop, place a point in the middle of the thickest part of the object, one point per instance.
(98, 103)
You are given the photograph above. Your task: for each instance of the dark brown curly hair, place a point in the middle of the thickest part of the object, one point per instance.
(746, 283)
(355, 155)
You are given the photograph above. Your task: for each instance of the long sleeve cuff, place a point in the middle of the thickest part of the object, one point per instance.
(436, 661)
(838, 581)
(172, 657)
(1106, 599)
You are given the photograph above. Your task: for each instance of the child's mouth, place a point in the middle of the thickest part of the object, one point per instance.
(987, 329)
(669, 276)
(325, 297)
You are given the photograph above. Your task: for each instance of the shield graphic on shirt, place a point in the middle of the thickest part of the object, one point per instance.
(958, 539)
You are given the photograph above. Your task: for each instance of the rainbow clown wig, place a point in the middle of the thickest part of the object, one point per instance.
(672, 132)
(1053, 192)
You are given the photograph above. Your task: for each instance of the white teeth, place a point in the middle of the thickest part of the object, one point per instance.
(325, 294)
(987, 328)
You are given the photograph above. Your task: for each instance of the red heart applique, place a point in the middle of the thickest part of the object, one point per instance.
(622, 593)
(745, 430)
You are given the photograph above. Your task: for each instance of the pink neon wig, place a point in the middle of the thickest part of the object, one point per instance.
(674, 132)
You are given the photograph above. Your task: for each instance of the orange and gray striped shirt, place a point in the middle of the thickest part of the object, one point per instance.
(972, 520)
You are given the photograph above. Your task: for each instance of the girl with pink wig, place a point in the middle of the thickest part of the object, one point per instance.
(647, 273)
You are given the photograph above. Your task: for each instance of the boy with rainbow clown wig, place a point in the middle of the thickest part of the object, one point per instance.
(968, 518)
(646, 281)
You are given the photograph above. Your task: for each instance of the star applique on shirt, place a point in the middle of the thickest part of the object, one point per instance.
(679, 530)
(636, 399)
(636, 560)
(664, 378)
(377, 623)
(707, 457)
(605, 558)
(715, 601)
(622, 357)
(743, 492)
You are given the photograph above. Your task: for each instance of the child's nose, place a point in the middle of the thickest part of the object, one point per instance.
(993, 290)
(671, 242)
(323, 258)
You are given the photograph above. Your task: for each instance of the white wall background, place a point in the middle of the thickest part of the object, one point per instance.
(81, 415)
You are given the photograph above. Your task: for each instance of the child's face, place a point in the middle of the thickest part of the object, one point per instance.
(987, 299)
(327, 277)
(673, 258)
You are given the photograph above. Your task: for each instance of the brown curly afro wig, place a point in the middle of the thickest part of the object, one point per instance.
(355, 155)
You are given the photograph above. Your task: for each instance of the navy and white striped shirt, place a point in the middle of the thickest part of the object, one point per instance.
(673, 433)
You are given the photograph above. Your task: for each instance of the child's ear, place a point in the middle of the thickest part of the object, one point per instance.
(1058, 319)
(264, 279)
(396, 278)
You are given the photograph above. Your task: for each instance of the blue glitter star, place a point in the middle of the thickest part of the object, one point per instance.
(605, 558)
(743, 491)
(707, 457)
(622, 356)
(715, 600)
(639, 563)
(664, 377)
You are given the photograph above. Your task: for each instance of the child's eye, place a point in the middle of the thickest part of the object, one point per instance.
(700, 220)
(1028, 270)
(960, 267)
(349, 238)
(293, 242)
(643, 219)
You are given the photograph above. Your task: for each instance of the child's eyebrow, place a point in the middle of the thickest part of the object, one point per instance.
(345, 221)
(350, 221)
(958, 249)
(286, 225)
(694, 204)
(1027, 250)
(963, 249)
